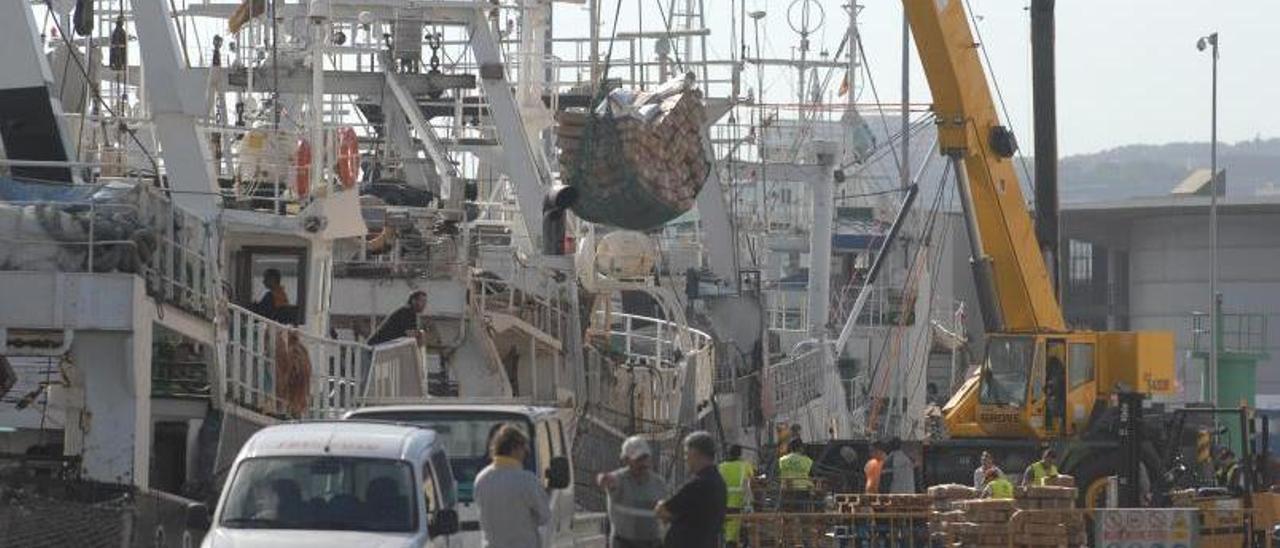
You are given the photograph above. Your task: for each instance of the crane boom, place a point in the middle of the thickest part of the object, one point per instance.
(1022, 388)
(969, 130)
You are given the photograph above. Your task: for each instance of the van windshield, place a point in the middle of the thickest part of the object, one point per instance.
(322, 493)
(465, 436)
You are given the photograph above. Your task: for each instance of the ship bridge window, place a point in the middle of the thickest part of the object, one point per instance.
(1004, 380)
(272, 282)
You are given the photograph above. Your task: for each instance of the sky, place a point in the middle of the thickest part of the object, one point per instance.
(1128, 70)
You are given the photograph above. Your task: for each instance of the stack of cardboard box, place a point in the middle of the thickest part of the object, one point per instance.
(1046, 516)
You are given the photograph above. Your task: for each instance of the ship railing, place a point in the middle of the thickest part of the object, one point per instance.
(397, 373)
(405, 246)
(793, 383)
(503, 297)
(255, 167)
(497, 212)
(183, 270)
(530, 294)
(277, 370)
(883, 305)
(630, 67)
(651, 366)
(788, 306)
(569, 78)
(261, 173)
(142, 233)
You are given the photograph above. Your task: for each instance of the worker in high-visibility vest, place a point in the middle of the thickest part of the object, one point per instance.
(1042, 469)
(737, 475)
(793, 467)
(1228, 472)
(997, 485)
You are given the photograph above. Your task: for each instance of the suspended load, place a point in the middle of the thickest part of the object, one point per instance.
(637, 160)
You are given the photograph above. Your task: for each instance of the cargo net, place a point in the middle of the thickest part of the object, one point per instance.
(637, 160)
(28, 519)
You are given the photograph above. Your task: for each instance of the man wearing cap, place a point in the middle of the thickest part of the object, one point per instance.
(403, 322)
(634, 490)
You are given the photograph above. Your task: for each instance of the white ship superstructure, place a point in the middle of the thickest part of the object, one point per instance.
(211, 205)
(201, 245)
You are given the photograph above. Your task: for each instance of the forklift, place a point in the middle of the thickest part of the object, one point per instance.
(1235, 512)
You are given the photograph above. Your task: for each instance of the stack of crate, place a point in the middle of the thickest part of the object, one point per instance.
(944, 511)
(978, 523)
(1046, 516)
(638, 159)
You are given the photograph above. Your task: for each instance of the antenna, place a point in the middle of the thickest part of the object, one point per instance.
(801, 16)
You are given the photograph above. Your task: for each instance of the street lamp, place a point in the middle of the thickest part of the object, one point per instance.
(1211, 380)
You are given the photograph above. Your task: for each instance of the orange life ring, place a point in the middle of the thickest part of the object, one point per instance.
(348, 165)
(302, 168)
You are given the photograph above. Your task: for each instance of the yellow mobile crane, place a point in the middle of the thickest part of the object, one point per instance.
(1041, 381)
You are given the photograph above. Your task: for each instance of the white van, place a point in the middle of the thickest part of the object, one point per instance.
(465, 428)
(337, 484)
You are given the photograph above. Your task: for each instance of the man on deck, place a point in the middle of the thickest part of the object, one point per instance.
(274, 304)
(403, 322)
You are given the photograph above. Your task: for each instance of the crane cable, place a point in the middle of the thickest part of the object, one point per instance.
(97, 94)
(585, 156)
(877, 388)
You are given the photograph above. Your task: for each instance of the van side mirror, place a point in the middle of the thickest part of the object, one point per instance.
(198, 517)
(444, 522)
(558, 473)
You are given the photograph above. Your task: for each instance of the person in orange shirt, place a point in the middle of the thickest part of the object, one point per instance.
(873, 468)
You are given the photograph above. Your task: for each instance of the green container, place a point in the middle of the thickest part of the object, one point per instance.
(1237, 383)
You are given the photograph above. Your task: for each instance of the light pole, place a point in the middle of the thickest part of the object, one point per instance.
(1211, 380)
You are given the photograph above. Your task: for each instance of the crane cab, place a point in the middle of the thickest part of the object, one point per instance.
(1046, 385)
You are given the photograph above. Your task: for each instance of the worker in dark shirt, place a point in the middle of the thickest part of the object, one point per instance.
(696, 512)
(274, 304)
(403, 322)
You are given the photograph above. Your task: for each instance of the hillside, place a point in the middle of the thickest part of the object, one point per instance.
(1253, 167)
